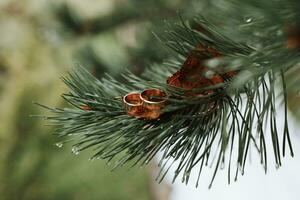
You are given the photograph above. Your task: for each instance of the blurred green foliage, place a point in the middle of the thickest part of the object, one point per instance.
(36, 47)
(39, 42)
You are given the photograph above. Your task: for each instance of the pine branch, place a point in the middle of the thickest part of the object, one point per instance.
(193, 128)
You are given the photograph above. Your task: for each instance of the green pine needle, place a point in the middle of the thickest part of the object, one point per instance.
(187, 134)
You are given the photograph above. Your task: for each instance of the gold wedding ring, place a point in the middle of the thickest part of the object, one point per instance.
(146, 105)
(153, 101)
(133, 104)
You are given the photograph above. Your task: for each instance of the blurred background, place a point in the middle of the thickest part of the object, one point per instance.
(40, 40)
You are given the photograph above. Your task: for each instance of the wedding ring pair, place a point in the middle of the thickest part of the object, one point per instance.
(145, 105)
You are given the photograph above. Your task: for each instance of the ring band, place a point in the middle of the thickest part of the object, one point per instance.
(153, 96)
(145, 105)
(153, 101)
(133, 104)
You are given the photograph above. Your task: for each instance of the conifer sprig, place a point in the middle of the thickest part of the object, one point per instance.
(216, 130)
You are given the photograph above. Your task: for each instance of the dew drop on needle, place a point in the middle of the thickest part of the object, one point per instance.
(75, 150)
(59, 145)
(248, 20)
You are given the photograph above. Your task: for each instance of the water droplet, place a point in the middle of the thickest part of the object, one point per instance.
(248, 20)
(59, 145)
(70, 134)
(75, 150)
